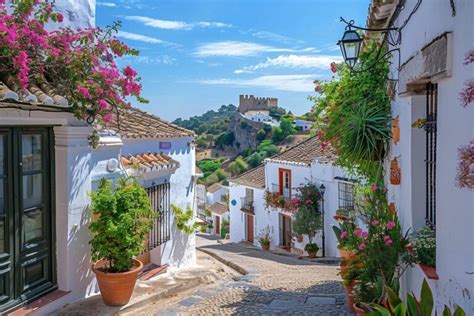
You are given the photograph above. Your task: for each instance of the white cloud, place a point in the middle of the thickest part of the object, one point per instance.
(293, 83)
(175, 25)
(106, 4)
(239, 49)
(163, 59)
(293, 61)
(276, 37)
(142, 38)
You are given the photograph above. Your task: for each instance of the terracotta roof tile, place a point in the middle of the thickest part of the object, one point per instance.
(215, 187)
(218, 208)
(149, 162)
(305, 153)
(254, 178)
(135, 123)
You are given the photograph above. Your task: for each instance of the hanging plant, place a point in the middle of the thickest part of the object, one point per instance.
(353, 115)
(183, 219)
(419, 123)
(465, 174)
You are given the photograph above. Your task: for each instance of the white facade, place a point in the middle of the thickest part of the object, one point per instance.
(431, 23)
(301, 174)
(302, 125)
(78, 167)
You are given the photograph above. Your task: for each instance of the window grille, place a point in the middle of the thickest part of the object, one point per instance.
(160, 202)
(346, 196)
(430, 158)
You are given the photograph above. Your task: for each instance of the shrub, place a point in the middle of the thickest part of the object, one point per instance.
(124, 218)
(211, 179)
(261, 135)
(307, 222)
(221, 174)
(264, 238)
(254, 159)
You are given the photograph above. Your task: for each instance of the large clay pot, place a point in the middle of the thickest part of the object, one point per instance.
(116, 288)
(266, 247)
(312, 254)
(350, 296)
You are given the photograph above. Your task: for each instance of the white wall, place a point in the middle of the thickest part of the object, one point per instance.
(180, 250)
(215, 197)
(455, 216)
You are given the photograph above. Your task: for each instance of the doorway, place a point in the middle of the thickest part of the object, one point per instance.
(26, 215)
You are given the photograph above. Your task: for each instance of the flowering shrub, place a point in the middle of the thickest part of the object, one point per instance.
(274, 199)
(78, 64)
(308, 195)
(353, 115)
(465, 175)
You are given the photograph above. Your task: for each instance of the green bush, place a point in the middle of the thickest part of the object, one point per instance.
(221, 174)
(211, 179)
(254, 160)
(208, 166)
(124, 218)
(261, 135)
(307, 222)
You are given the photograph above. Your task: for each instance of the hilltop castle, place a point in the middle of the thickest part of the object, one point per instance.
(249, 102)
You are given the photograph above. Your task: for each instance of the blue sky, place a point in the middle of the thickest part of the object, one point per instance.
(196, 55)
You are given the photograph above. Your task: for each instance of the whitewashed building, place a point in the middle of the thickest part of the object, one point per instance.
(217, 204)
(435, 39)
(59, 170)
(302, 125)
(303, 163)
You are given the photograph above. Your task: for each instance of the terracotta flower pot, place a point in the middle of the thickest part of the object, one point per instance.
(116, 288)
(312, 254)
(359, 310)
(266, 247)
(430, 272)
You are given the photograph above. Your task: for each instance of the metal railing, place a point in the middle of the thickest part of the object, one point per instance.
(160, 202)
(247, 204)
(286, 191)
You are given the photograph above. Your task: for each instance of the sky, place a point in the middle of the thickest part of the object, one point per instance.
(196, 55)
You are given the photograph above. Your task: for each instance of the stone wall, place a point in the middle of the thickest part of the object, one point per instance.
(246, 137)
(250, 102)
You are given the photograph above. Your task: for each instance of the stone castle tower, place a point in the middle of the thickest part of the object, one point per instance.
(249, 102)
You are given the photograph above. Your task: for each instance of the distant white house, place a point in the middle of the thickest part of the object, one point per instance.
(302, 125)
(261, 117)
(303, 163)
(217, 204)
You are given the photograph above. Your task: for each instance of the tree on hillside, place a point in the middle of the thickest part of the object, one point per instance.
(254, 159)
(287, 127)
(238, 166)
(277, 134)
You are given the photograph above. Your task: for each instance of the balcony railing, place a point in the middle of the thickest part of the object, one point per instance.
(247, 204)
(286, 191)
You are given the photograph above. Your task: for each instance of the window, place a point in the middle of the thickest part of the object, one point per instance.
(346, 196)
(160, 202)
(284, 182)
(430, 156)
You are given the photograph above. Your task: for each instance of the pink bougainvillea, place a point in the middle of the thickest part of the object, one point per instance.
(466, 95)
(78, 64)
(469, 57)
(465, 174)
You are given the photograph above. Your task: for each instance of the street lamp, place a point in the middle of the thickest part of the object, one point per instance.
(350, 46)
(322, 189)
(351, 42)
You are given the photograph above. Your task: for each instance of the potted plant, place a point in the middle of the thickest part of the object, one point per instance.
(423, 251)
(307, 221)
(123, 217)
(311, 249)
(264, 238)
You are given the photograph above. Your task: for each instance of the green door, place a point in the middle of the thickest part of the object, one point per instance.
(26, 262)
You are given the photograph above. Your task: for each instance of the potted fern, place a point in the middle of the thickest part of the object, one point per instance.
(123, 218)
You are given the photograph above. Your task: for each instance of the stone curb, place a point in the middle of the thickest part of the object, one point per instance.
(228, 263)
(181, 287)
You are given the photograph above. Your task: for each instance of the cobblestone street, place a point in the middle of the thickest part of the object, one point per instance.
(275, 284)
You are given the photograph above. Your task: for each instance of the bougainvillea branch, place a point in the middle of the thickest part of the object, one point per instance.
(465, 175)
(78, 64)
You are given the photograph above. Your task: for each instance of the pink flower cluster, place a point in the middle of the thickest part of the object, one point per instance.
(465, 169)
(466, 96)
(80, 62)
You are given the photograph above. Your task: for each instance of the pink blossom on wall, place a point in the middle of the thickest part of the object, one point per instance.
(465, 170)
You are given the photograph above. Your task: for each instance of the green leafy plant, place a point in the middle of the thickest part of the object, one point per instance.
(311, 247)
(424, 246)
(413, 306)
(353, 115)
(124, 217)
(208, 213)
(183, 219)
(307, 222)
(265, 238)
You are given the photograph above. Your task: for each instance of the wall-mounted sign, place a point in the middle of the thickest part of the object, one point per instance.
(165, 145)
(233, 202)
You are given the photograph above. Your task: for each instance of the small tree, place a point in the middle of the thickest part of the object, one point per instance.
(124, 218)
(307, 222)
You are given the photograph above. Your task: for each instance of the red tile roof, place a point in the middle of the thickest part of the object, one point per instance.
(149, 162)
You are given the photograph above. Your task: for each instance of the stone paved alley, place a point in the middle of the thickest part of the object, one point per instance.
(275, 284)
